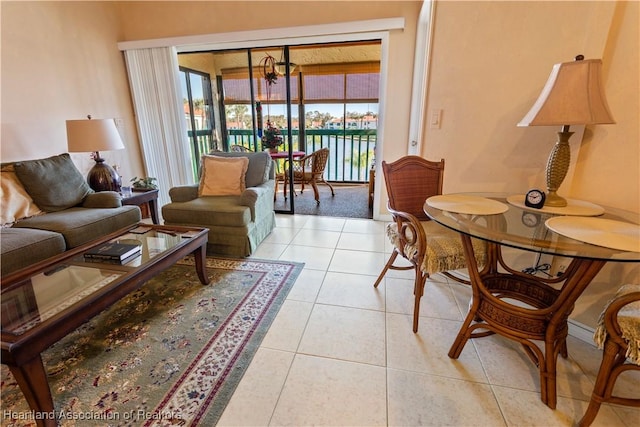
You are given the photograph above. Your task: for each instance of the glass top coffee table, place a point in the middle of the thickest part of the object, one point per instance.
(43, 303)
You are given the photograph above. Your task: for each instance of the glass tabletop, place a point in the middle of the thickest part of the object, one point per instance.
(48, 293)
(44, 295)
(489, 216)
(152, 243)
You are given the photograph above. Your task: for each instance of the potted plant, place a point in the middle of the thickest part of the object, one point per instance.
(271, 137)
(145, 183)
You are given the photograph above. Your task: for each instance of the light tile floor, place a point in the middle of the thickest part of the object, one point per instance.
(341, 352)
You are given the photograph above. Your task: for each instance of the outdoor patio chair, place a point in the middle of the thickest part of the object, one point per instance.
(239, 149)
(308, 170)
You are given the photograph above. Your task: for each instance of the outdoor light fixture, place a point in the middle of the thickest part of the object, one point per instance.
(93, 136)
(573, 95)
(281, 67)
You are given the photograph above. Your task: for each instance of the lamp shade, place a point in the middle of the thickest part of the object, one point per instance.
(573, 95)
(93, 135)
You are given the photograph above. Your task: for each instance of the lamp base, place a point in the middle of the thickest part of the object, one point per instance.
(557, 167)
(553, 200)
(103, 177)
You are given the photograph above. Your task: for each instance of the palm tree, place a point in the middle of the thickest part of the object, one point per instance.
(237, 113)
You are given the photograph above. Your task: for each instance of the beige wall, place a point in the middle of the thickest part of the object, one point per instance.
(180, 18)
(69, 71)
(490, 61)
(60, 61)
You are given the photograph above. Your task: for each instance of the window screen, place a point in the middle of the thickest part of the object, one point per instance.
(328, 83)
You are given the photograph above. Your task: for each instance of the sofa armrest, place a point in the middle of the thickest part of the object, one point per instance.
(183, 193)
(103, 199)
(255, 197)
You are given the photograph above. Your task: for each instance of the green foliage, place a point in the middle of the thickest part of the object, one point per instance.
(272, 137)
(146, 183)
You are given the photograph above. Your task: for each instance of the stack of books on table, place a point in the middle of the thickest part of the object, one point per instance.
(115, 253)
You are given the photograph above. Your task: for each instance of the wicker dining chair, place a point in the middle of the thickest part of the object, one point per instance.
(429, 247)
(618, 332)
(239, 149)
(308, 170)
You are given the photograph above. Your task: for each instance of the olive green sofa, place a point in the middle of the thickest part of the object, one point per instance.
(48, 208)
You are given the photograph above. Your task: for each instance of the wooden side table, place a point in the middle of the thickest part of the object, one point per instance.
(146, 200)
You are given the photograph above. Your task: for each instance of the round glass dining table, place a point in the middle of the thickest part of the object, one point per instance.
(530, 308)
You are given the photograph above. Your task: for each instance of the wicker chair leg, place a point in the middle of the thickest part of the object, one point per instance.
(564, 352)
(610, 358)
(285, 185)
(388, 265)
(418, 291)
(332, 192)
(316, 193)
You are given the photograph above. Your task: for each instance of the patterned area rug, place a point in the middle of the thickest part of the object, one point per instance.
(171, 353)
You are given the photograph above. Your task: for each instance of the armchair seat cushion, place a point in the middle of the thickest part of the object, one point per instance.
(444, 248)
(223, 211)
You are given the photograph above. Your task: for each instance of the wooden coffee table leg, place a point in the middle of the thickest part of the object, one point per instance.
(32, 380)
(153, 211)
(200, 256)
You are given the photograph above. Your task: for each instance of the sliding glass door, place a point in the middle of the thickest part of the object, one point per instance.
(198, 110)
(314, 96)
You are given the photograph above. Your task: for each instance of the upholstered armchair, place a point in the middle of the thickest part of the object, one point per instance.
(234, 200)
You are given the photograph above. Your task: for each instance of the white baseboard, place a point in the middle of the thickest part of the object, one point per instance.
(581, 331)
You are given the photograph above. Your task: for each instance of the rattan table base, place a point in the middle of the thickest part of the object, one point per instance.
(543, 319)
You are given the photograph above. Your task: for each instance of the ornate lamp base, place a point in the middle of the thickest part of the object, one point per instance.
(103, 177)
(557, 167)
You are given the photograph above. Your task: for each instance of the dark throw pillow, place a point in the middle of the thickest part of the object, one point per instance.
(53, 183)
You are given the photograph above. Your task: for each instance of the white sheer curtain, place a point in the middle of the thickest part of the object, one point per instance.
(157, 101)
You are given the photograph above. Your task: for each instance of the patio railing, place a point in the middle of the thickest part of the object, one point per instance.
(350, 151)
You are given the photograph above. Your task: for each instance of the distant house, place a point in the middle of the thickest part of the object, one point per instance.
(365, 122)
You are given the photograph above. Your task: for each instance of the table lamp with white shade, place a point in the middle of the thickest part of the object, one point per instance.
(95, 135)
(573, 95)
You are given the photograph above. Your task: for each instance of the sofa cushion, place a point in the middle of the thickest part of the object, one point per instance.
(21, 247)
(16, 203)
(222, 176)
(80, 225)
(53, 183)
(259, 166)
